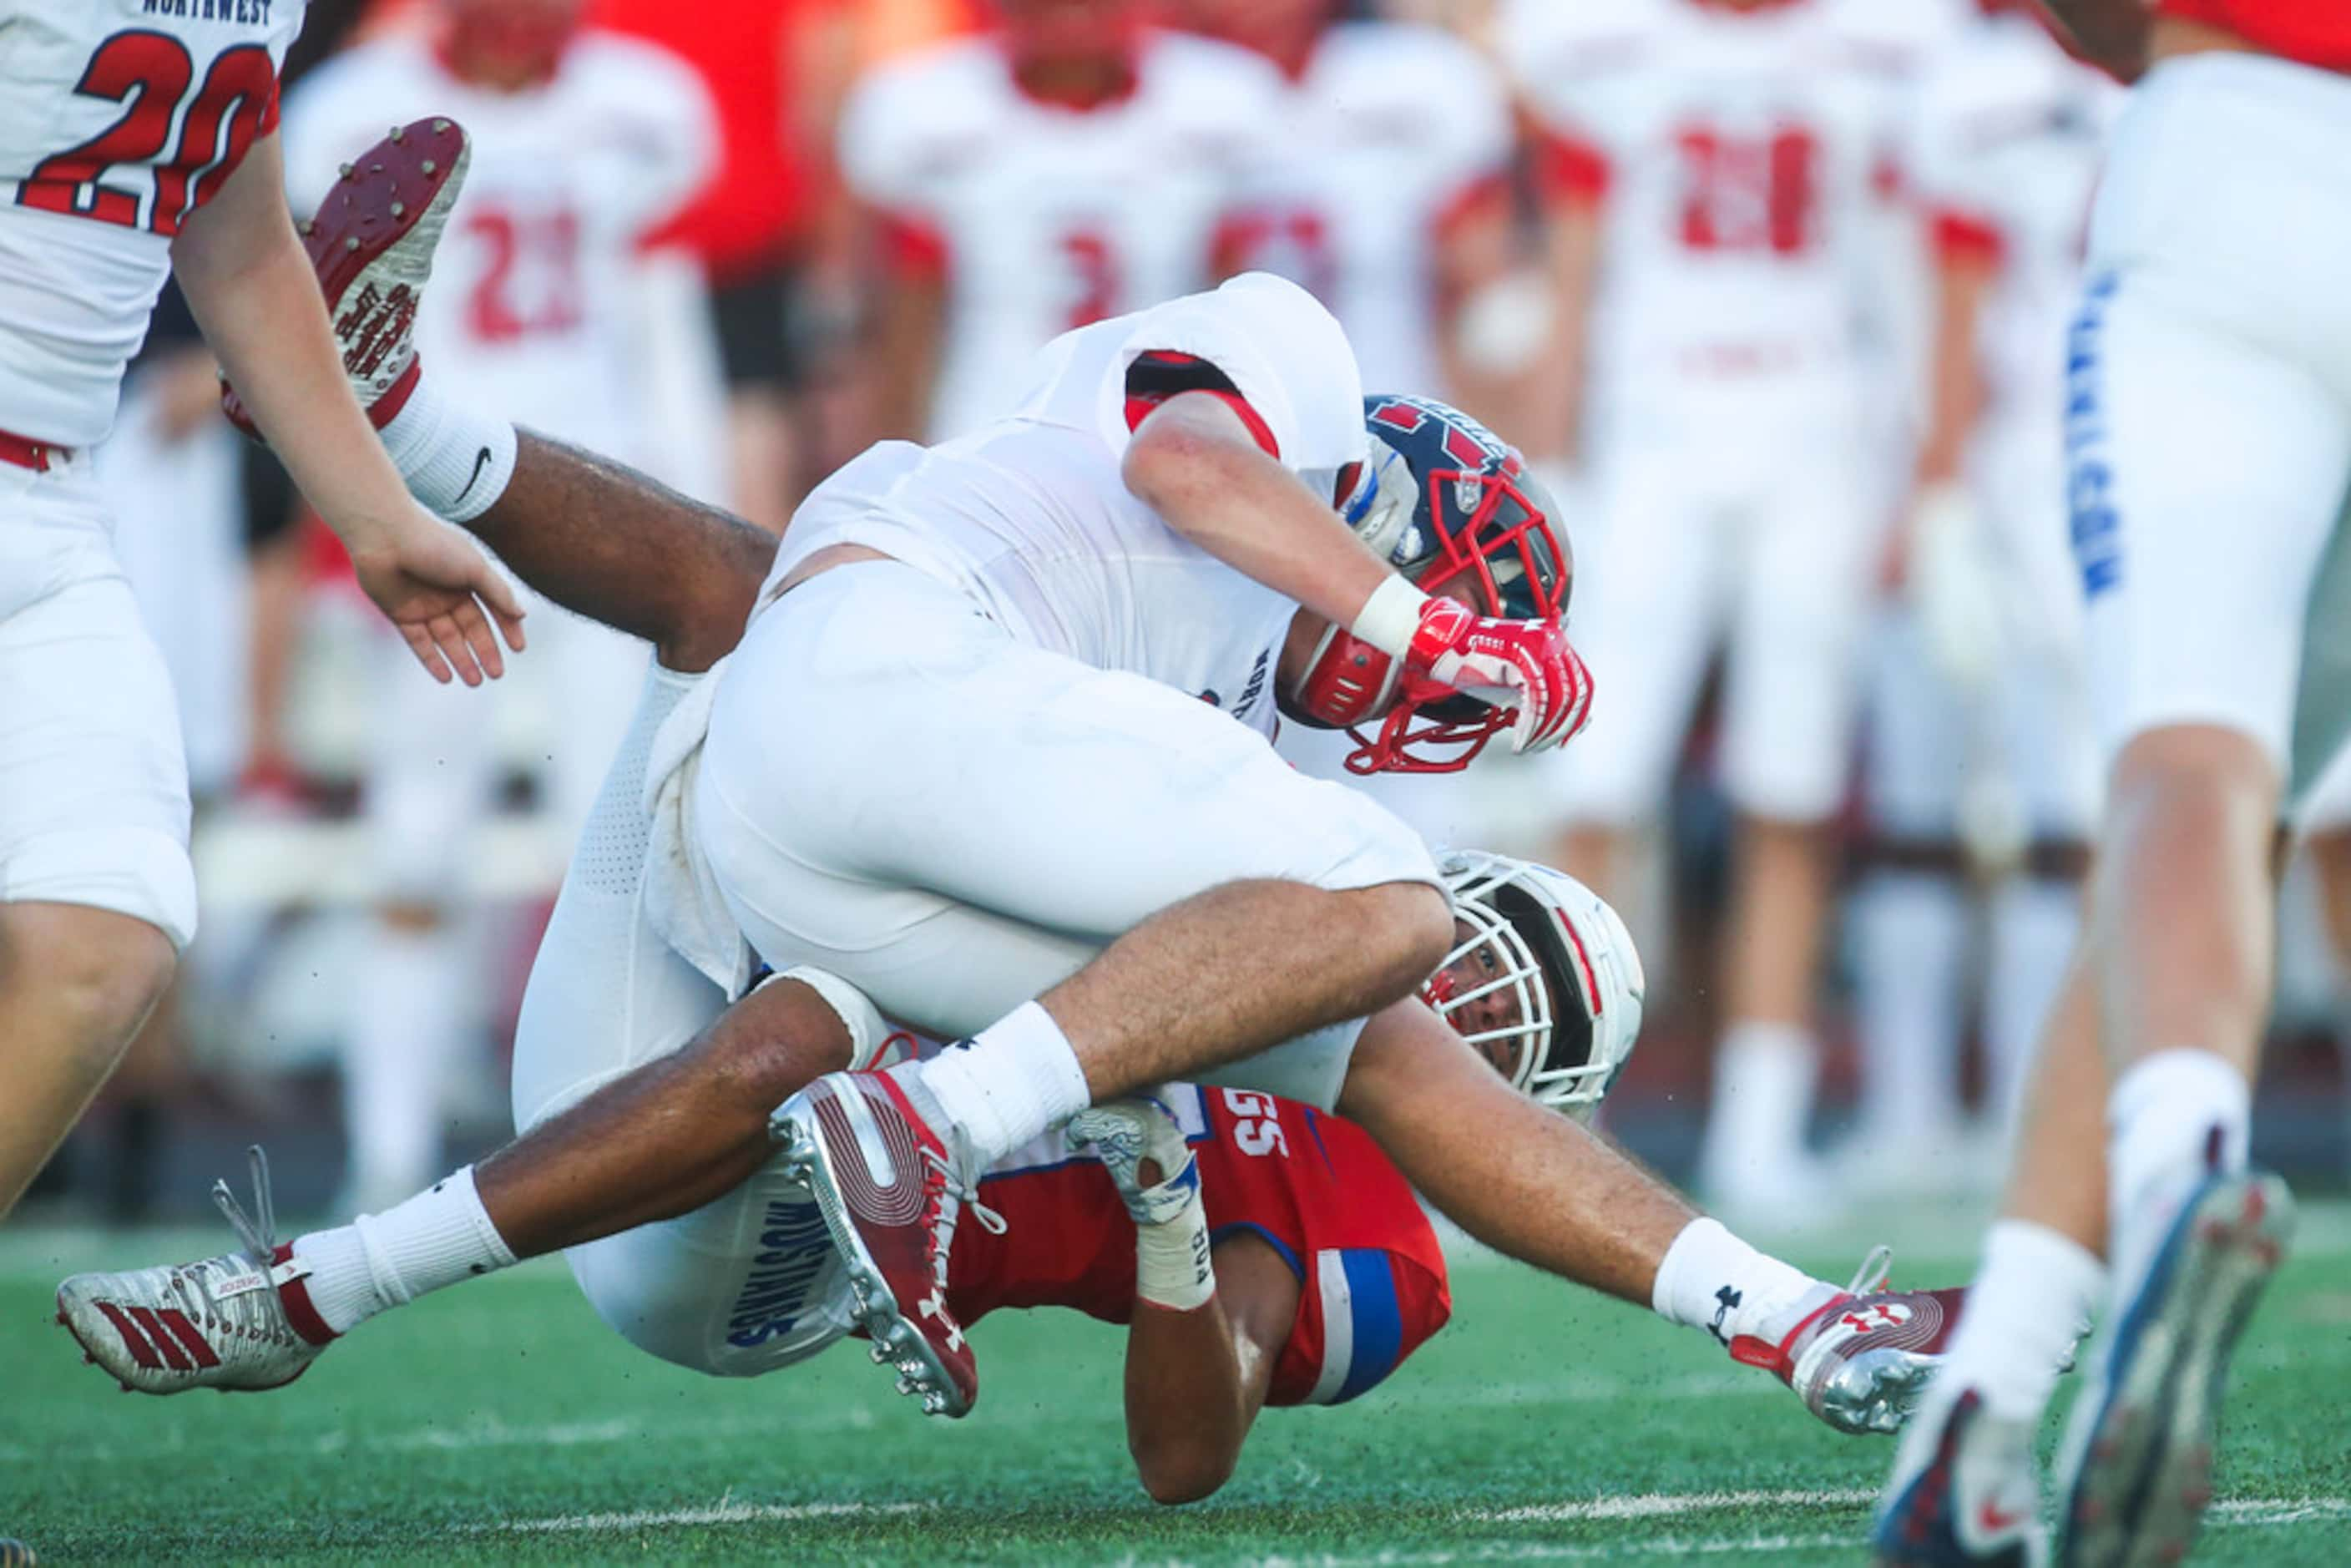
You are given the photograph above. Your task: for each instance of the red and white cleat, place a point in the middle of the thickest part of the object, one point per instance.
(240, 1320)
(890, 1177)
(1860, 1359)
(372, 245)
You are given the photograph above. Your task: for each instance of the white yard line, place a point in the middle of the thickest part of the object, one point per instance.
(1663, 1505)
(719, 1513)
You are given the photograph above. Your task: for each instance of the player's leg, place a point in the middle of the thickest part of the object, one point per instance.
(964, 771)
(96, 890)
(1498, 1163)
(1805, 584)
(1909, 924)
(1647, 595)
(2200, 406)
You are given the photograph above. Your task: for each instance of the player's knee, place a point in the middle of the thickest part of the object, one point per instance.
(776, 1041)
(99, 973)
(1181, 1473)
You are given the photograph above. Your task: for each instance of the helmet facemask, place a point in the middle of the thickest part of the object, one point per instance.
(1480, 531)
(1565, 961)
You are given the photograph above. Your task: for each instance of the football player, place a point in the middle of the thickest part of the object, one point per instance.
(1979, 754)
(2207, 429)
(134, 144)
(1714, 169)
(1023, 807)
(1323, 1271)
(1066, 164)
(582, 144)
(1386, 195)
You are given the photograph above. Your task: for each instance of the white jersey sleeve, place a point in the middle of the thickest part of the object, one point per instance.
(119, 118)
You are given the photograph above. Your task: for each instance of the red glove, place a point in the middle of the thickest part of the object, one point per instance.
(1522, 664)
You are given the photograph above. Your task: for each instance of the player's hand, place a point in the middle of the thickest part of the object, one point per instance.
(1139, 1142)
(1527, 665)
(442, 592)
(1953, 588)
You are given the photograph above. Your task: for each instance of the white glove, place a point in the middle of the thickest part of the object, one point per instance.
(1954, 587)
(1171, 1227)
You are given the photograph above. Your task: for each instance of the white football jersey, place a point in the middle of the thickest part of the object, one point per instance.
(531, 300)
(1029, 514)
(1047, 218)
(118, 119)
(1392, 130)
(1743, 154)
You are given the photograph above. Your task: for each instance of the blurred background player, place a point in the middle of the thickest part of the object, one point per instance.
(585, 143)
(134, 154)
(776, 70)
(1715, 172)
(1390, 199)
(1980, 764)
(1068, 163)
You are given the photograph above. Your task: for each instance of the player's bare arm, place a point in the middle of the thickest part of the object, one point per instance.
(252, 290)
(1197, 1380)
(605, 541)
(1196, 464)
(2113, 34)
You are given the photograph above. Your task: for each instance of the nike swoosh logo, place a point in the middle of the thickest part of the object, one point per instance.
(481, 461)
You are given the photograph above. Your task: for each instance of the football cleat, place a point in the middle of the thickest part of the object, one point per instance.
(2137, 1467)
(371, 246)
(240, 1320)
(888, 1171)
(1860, 1359)
(1965, 1492)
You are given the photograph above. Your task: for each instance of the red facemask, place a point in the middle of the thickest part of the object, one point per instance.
(1422, 728)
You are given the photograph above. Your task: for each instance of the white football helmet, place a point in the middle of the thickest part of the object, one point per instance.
(1553, 947)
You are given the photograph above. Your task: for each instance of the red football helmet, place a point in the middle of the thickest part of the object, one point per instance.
(1477, 527)
(516, 39)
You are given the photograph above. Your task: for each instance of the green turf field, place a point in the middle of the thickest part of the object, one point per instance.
(501, 1422)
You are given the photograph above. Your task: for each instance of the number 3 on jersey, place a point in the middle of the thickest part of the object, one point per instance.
(150, 73)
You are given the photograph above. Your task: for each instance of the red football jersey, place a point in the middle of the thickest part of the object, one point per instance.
(1316, 1188)
(2315, 32)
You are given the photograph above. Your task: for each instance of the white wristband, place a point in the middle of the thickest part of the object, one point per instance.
(1390, 617)
(1171, 1260)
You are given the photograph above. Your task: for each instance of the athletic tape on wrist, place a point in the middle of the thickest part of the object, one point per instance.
(1390, 617)
(1171, 1260)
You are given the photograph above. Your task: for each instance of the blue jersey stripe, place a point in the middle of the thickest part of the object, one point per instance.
(1379, 1320)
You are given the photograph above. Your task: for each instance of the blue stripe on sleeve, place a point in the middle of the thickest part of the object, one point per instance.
(1379, 1321)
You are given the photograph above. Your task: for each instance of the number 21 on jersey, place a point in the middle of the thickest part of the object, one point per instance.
(123, 174)
(1748, 194)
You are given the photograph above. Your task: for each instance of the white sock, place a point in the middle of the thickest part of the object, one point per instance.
(1711, 1279)
(1910, 940)
(1015, 1081)
(1762, 1094)
(439, 1237)
(2031, 1301)
(457, 461)
(2172, 1117)
(2035, 923)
